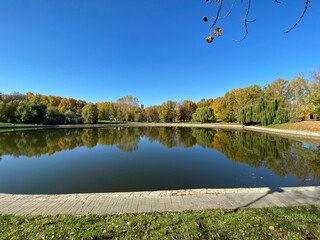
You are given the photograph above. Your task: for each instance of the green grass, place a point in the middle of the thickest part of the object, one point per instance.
(279, 126)
(17, 124)
(17, 129)
(110, 122)
(264, 223)
(124, 122)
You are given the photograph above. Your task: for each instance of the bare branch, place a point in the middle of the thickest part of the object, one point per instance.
(246, 23)
(234, 1)
(218, 13)
(305, 10)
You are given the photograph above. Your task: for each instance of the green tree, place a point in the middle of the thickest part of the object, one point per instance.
(90, 113)
(3, 112)
(203, 114)
(263, 112)
(11, 108)
(30, 111)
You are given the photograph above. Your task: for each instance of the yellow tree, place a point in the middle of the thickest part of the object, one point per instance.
(215, 106)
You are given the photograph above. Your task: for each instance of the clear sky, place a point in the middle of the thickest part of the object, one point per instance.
(155, 50)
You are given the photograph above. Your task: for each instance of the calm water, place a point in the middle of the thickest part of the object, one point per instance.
(137, 159)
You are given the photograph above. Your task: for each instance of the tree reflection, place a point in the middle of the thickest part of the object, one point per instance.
(283, 156)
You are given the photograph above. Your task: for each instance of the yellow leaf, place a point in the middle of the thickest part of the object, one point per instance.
(217, 32)
(209, 39)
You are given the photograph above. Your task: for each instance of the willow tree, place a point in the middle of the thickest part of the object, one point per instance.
(217, 17)
(263, 112)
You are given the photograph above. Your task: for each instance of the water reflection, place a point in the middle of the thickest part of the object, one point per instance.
(281, 155)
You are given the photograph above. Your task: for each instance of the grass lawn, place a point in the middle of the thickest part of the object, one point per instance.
(264, 223)
(121, 122)
(110, 122)
(17, 124)
(311, 126)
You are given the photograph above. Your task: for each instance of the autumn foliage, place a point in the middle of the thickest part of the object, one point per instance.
(293, 99)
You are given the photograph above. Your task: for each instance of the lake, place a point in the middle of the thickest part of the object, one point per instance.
(117, 159)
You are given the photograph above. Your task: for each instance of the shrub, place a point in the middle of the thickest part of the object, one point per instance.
(296, 119)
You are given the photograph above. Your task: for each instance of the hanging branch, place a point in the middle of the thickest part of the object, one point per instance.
(217, 31)
(246, 23)
(218, 13)
(305, 10)
(234, 1)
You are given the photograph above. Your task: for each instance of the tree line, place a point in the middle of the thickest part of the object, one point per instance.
(277, 102)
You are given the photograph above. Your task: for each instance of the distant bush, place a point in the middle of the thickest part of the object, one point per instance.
(296, 119)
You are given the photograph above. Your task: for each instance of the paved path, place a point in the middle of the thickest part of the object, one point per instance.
(134, 202)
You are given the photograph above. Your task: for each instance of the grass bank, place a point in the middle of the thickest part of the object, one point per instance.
(17, 124)
(264, 223)
(311, 126)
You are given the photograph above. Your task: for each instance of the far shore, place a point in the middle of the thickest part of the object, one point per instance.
(284, 132)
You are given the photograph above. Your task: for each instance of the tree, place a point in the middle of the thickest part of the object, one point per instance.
(205, 103)
(3, 112)
(228, 107)
(152, 114)
(263, 112)
(30, 112)
(129, 107)
(312, 104)
(188, 108)
(215, 106)
(11, 97)
(167, 111)
(179, 112)
(104, 110)
(277, 89)
(298, 89)
(90, 113)
(72, 117)
(203, 114)
(217, 17)
(115, 112)
(52, 116)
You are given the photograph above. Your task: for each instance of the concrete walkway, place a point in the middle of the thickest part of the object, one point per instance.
(134, 202)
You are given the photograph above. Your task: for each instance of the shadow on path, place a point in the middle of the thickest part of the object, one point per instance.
(271, 190)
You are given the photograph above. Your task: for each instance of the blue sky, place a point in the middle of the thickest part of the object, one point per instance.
(101, 50)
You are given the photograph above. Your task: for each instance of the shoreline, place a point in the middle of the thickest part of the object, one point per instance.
(282, 132)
